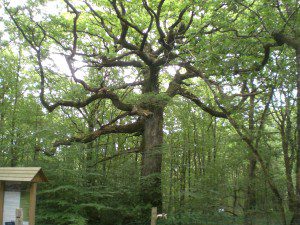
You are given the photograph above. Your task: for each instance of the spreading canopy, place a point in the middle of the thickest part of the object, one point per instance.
(113, 47)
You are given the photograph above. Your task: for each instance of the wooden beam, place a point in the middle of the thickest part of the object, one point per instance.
(2, 188)
(153, 215)
(32, 202)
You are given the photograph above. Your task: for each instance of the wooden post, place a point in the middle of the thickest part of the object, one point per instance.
(19, 216)
(153, 215)
(32, 203)
(2, 189)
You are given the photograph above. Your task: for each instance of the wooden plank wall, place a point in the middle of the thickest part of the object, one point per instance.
(2, 187)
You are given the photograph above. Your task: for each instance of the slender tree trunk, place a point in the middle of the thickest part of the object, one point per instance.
(235, 191)
(250, 201)
(296, 216)
(13, 140)
(170, 203)
(37, 147)
(104, 164)
(89, 168)
(2, 128)
(209, 149)
(215, 139)
(287, 145)
(289, 180)
(203, 155)
(188, 162)
(196, 151)
(182, 180)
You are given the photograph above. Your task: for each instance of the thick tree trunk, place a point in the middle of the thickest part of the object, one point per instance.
(152, 159)
(151, 192)
(296, 216)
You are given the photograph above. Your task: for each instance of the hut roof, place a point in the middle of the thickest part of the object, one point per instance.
(25, 174)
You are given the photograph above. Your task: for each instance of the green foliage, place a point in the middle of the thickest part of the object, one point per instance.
(70, 199)
(205, 166)
(215, 219)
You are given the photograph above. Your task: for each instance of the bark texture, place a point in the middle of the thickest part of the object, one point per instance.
(152, 159)
(152, 143)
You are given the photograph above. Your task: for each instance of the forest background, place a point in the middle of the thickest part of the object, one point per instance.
(189, 106)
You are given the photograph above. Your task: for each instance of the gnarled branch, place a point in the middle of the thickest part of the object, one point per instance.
(107, 129)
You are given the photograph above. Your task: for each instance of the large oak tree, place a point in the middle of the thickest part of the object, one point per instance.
(117, 46)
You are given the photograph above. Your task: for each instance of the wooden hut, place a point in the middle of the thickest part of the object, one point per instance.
(18, 187)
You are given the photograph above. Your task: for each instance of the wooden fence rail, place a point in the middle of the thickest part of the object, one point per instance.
(155, 216)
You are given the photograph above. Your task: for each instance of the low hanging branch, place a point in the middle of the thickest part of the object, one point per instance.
(124, 152)
(199, 103)
(130, 128)
(175, 87)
